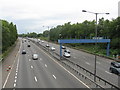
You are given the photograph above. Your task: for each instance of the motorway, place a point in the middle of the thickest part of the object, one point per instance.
(45, 72)
(87, 60)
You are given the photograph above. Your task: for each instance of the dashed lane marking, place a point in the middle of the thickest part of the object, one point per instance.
(87, 63)
(45, 65)
(108, 72)
(31, 66)
(14, 84)
(15, 76)
(65, 69)
(54, 76)
(35, 78)
(15, 80)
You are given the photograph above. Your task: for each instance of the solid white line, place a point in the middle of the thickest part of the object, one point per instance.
(14, 84)
(66, 69)
(54, 76)
(87, 63)
(108, 72)
(45, 65)
(31, 66)
(35, 78)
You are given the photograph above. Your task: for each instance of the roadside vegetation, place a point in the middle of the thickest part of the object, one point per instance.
(9, 36)
(86, 30)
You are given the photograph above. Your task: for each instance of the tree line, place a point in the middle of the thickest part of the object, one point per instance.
(9, 34)
(86, 30)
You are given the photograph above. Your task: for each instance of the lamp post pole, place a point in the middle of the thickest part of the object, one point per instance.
(96, 14)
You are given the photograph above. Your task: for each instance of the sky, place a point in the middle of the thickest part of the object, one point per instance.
(38, 15)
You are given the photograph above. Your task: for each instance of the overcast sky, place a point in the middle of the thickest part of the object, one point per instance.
(32, 15)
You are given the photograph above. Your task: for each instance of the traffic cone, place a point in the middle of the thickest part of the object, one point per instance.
(9, 67)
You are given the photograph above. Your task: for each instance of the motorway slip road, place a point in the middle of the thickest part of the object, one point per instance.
(42, 73)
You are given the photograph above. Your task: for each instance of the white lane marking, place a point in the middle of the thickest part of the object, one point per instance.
(14, 84)
(54, 76)
(87, 63)
(15, 76)
(45, 65)
(15, 80)
(16, 71)
(98, 62)
(108, 72)
(8, 75)
(31, 66)
(66, 70)
(29, 59)
(35, 78)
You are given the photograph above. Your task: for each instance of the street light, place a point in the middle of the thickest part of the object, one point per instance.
(95, 38)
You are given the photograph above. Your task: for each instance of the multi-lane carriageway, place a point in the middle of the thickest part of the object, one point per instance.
(42, 73)
(46, 72)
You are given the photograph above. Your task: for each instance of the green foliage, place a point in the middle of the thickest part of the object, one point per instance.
(9, 34)
(86, 30)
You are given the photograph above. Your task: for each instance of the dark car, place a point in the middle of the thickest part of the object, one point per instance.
(67, 50)
(23, 52)
(115, 68)
(28, 45)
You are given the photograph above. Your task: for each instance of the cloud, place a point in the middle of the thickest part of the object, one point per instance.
(31, 15)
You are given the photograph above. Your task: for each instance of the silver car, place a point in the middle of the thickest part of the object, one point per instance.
(115, 68)
(66, 54)
(35, 56)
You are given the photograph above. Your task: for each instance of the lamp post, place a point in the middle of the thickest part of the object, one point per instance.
(96, 14)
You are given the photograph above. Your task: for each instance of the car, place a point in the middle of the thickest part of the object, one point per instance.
(67, 50)
(35, 56)
(52, 48)
(47, 45)
(42, 41)
(66, 54)
(115, 68)
(23, 52)
(28, 45)
(63, 47)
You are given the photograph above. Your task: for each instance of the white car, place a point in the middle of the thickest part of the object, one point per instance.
(47, 45)
(66, 54)
(52, 48)
(35, 56)
(42, 41)
(63, 47)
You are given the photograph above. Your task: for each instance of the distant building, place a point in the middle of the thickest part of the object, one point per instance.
(119, 9)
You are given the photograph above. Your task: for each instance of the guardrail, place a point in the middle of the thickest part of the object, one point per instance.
(80, 74)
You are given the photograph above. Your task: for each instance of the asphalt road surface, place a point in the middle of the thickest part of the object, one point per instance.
(87, 61)
(42, 73)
